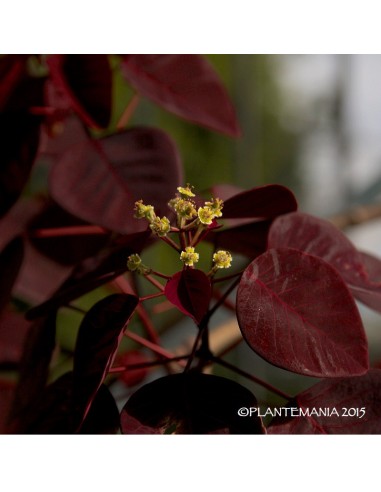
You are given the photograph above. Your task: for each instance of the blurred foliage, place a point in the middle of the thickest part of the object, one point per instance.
(265, 153)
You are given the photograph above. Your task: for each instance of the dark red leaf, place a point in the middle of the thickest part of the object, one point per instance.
(69, 249)
(248, 239)
(103, 416)
(100, 181)
(321, 238)
(345, 397)
(13, 330)
(87, 82)
(12, 71)
(186, 85)
(98, 339)
(34, 369)
(190, 291)
(266, 202)
(372, 267)
(10, 262)
(93, 272)
(131, 377)
(6, 397)
(190, 403)
(53, 413)
(295, 311)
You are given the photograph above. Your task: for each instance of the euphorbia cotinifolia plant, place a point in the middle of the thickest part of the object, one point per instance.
(113, 192)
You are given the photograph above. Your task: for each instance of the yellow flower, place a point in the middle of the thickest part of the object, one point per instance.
(160, 226)
(215, 206)
(187, 192)
(205, 215)
(222, 259)
(144, 211)
(183, 208)
(189, 256)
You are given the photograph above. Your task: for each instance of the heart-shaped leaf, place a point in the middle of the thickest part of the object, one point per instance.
(266, 202)
(321, 238)
(186, 85)
(87, 82)
(348, 406)
(190, 403)
(99, 181)
(295, 311)
(98, 339)
(190, 291)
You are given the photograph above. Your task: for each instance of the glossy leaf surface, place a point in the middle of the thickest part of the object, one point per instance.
(186, 85)
(320, 238)
(87, 82)
(190, 291)
(347, 396)
(190, 403)
(295, 311)
(100, 181)
(98, 339)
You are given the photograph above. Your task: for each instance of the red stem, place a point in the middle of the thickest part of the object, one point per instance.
(128, 112)
(152, 346)
(68, 231)
(125, 287)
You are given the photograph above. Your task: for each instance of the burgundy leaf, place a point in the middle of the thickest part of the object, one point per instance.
(53, 413)
(100, 181)
(10, 262)
(190, 291)
(186, 85)
(372, 267)
(69, 249)
(6, 397)
(13, 330)
(34, 369)
(190, 403)
(267, 202)
(321, 238)
(98, 339)
(12, 71)
(93, 272)
(247, 239)
(295, 311)
(19, 137)
(103, 416)
(87, 82)
(341, 401)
